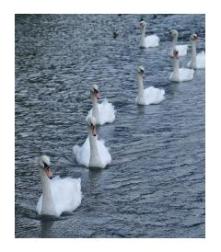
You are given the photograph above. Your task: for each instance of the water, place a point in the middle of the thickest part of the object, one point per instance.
(155, 186)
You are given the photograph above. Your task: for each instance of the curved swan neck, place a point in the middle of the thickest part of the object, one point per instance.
(47, 199)
(94, 99)
(140, 85)
(174, 41)
(143, 31)
(193, 55)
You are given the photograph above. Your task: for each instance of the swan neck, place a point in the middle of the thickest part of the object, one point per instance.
(140, 86)
(47, 199)
(94, 99)
(143, 31)
(142, 42)
(95, 111)
(174, 42)
(94, 154)
(176, 68)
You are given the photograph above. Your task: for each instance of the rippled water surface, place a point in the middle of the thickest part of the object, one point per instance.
(155, 184)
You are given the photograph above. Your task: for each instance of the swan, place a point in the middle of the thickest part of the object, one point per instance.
(93, 153)
(180, 74)
(150, 95)
(103, 112)
(182, 49)
(147, 41)
(59, 194)
(197, 60)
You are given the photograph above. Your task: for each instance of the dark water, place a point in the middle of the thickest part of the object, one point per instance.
(155, 186)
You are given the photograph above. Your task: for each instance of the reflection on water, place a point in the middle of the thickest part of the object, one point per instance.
(46, 228)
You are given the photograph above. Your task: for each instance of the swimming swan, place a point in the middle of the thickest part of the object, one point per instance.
(103, 112)
(180, 74)
(150, 95)
(93, 153)
(197, 60)
(182, 49)
(59, 194)
(147, 41)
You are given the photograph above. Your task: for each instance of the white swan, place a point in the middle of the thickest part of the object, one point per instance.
(180, 74)
(197, 60)
(150, 95)
(103, 112)
(182, 49)
(147, 41)
(93, 153)
(59, 194)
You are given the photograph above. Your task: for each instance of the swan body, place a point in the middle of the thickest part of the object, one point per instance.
(93, 153)
(182, 49)
(59, 194)
(197, 60)
(150, 40)
(180, 74)
(102, 112)
(150, 95)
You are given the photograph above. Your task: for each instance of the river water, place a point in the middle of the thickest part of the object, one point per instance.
(155, 185)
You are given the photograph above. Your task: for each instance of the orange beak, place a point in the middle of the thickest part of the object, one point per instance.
(98, 95)
(48, 172)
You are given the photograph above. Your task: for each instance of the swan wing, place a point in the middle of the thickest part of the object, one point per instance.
(103, 152)
(152, 41)
(106, 112)
(200, 60)
(153, 95)
(186, 74)
(66, 193)
(182, 49)
(89, 115)
(82, 153)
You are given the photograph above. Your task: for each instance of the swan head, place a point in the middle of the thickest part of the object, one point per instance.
(194, 37)
(175, 54)
(140, 70)
(174, 33)
(45, 165)
(143, 24)
(95, 91)
(92, 125)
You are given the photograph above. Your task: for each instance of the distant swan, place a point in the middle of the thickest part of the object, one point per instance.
(182, 49)
(150, 95)
(197, 60)
(150, 40)
(93, 153)
(180, 74)
(103, 112)
(59, 194)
